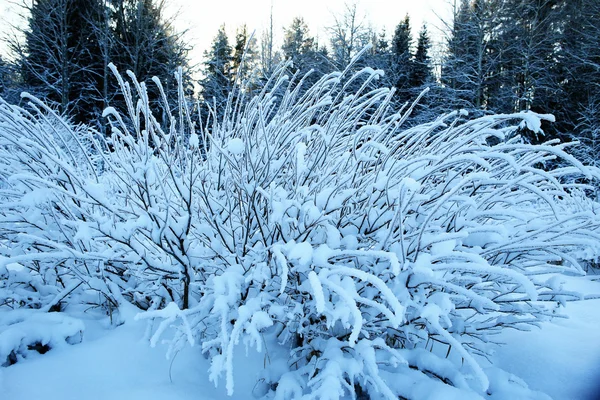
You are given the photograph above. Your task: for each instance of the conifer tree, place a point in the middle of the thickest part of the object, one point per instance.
(401, 59)
(471, 68)
(59, 59)
(578, 103)
(146, 44)
(245, 55)
(218, 73)
(421, 73)
(529, 36)
(379, 57)
(300, 47)
(3, 75)
(297, 42)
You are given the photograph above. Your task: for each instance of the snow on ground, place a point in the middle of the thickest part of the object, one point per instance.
(117, 364)
(562, 359)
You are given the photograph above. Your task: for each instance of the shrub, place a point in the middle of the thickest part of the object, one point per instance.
(310, 223)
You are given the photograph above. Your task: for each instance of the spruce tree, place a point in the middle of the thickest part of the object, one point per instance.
(300, 47)
(147, 44)
(218, 72)
(472, 64)
(245, 55)
(297, 42)
(421, 73)
(578, 104)
(60, 57)
(3, 76)
(401, 60)
(529, 36)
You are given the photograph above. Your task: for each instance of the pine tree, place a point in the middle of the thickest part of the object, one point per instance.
(529, 37)
(9, 82)
(3, 76)
(297, 42)
(300, 47)
(379, 57)
(245, 55)
(578, 104)
(472, 65)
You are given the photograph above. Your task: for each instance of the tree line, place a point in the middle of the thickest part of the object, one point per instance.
(499, 56)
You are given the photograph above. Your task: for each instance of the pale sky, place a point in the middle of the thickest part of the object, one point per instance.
(203, 18)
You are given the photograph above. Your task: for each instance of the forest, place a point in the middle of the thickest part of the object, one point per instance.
(366, 213)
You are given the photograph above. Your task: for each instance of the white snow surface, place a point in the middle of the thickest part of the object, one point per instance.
(562, 359)
(118, 364)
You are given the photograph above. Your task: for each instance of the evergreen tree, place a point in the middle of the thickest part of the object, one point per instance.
(69, 44)
(297, 42)
(218, 74)
(421, 73)
(245, 55)
(472, 65)
(59, 58)
(379, 57)
(304, 52)
(3, 76)
(458, 58)
(529, 35)
(147, 44)
(401, 60)
(578, 105)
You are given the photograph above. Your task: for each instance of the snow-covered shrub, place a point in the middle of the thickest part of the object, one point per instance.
(24, 332)
(361, 257)
(112, 218)
(43, 157)
(357, 244)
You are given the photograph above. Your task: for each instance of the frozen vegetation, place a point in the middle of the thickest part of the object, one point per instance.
(352, 257)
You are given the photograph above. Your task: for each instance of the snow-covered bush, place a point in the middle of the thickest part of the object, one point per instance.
(24, 332)
(360, 257)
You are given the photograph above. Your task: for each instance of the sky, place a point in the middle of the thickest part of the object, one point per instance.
(202, 19)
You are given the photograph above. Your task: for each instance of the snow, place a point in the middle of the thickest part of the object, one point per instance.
(116, 363)
(313, 239)
(315, 283)
(562, 359)
(235, 146)
(194, 140)
(22, 329)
